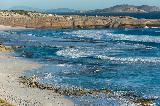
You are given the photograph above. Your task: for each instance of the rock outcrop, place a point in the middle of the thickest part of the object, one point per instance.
(5, 48)
(39, 20)
(33, 83)
(4, 103)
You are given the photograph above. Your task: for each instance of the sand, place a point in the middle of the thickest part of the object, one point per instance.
(2, 27)
(11, 68)
(19, 95)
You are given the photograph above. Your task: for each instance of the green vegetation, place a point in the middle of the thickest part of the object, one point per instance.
(4, 103)
(21, 12)
(153, 24)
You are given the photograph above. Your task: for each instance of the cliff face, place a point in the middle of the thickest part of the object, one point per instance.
(39, 20)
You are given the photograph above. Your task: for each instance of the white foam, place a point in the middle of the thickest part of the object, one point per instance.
(74, 53)
(100, 34)
(95, 34)
(30, 34)
(155, 27)
(103, 52)
(139, 38)
(64, 65)
(131, 59)
(48, 76)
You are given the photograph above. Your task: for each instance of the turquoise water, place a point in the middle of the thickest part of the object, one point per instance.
(123, 60)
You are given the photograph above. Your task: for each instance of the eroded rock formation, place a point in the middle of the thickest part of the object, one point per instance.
(39, 20)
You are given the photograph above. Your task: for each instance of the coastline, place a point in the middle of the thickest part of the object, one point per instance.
(18, 94)
(29, 19)
(26, 93)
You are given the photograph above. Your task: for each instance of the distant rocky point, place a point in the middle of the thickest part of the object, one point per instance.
(26, 8)
(127, 9)
(62, 10)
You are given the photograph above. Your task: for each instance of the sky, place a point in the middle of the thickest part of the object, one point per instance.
(74, 4)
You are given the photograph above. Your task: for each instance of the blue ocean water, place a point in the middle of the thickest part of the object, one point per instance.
(123, 60)
(152, 15)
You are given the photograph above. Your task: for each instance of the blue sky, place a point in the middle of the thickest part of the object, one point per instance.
(75, 4)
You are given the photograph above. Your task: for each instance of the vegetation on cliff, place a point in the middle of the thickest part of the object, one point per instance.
(21, 12)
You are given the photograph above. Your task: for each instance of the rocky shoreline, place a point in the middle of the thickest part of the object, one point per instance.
(41, 20)
(7, 49)
(130, 97)
(13, 92)
(32, 83)
(8, 79)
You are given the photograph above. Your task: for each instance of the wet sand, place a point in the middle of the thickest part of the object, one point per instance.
(19, 95)
(11, 68)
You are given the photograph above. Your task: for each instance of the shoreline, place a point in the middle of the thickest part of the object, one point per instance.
(25, 94)
(14, 92)
(20, 95)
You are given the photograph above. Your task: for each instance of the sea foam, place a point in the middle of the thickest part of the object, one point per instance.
(131, 59)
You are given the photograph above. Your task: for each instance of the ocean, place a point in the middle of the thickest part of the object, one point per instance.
(153, 15)
(122, 60)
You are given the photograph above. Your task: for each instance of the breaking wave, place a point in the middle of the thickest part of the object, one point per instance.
(94, 34)
(79, 53)
(109, 34)
(132, 59)
(74, 53)
(137, 38)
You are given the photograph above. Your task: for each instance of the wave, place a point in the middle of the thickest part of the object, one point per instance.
(155, 27)
(48, 76)
(83, 52)
(137, 38)
(94, 34)
(74, 53)
(131, 59)
(78, 53)
(109, 34)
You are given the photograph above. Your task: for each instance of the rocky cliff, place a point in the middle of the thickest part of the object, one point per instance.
(39, 20)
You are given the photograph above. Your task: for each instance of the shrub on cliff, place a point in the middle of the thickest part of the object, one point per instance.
(21, 12)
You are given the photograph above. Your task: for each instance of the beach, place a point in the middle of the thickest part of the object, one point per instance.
(100, 54)
(66, 67)
(2, 27)
(11, 68)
